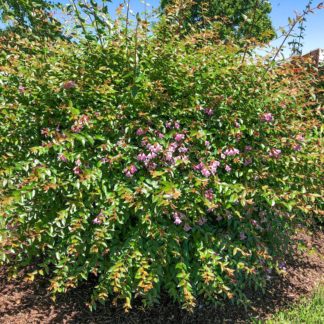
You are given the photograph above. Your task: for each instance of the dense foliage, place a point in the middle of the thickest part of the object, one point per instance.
(152, 161)
(239, 18)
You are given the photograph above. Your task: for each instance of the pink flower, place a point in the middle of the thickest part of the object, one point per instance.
(228, 168)
(202, 221)
(76, 128)
(300, 137)
(209, 194)
(236, 124)
(209, 111)
(176, 125)
(21, 89)
(199, 166)
(45, 132)
(132, 169)
(177, 218)
(160, 135)
(275, 153)
(78, 162)
(140, 132)
(223, 156)
(62, 157)
(104, 160)
(97, 221)
(129, 172)
(69, 85)
(242, 236)
(151, 166)
(151, 156)
(266, 117)
(155, 148)
(207, 144)
(183, 149)
(141, 157)
(213, 166)
(172, 147)
(77, 170)
(186, 227)
(205, 172)
(248, 148)
(168, 125)
(297, 147)
(169, 156)
(231, 152)
(179, 137)
(247, 162)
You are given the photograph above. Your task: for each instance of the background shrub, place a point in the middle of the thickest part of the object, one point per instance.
(156, 163)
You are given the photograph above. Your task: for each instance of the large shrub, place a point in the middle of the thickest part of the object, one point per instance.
(156, 163)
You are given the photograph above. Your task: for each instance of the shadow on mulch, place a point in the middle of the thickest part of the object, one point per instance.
(22, 302)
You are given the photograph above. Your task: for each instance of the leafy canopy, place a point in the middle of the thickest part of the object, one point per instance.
(239, 18)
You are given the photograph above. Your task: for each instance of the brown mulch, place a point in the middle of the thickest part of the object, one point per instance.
(22, 302)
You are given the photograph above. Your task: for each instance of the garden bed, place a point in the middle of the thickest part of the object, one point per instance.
(22, 302)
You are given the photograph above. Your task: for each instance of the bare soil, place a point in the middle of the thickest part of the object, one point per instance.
(22, 302)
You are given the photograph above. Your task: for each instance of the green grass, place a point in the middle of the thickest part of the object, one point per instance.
(309, 311)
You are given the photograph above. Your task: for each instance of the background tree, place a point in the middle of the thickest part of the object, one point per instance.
(240, 18)
(35, 16)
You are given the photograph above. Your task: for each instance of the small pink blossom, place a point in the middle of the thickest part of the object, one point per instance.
(104, 160)
(78, 162)
(151, 156)
(187, 228)
(140, 132)
(141, 157)
(152, 166)
(160, 135)
(183, 149)
(129, 172)
(62, 157)
(169, 156)
(179, 137)
(209, 194)
(155, 148)
(178, 218)
(231, 152)
(209, 111)
(236, 124)
(76, 128)
(207, 144)
(97, 221)
(202, 221)
(168, 125)
(228, 168)
(172, 147)
(300, 137)
(275, 153)
(213, 166)
(267, 117)
(69, 85)
(242, 236)
(223, 156)
(199, 166)
(21, 89)
(205, 172)
(77, 170)
(176, 125)
(297, 147)
(247, 162)
(248, 148)
(45, 132)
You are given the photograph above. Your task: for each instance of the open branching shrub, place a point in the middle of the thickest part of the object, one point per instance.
(159, 163)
